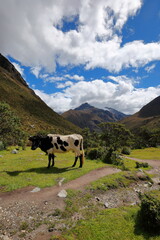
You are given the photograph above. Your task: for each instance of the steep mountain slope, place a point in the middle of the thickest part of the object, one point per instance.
(35, 115)
(148, 116)
(89, 116)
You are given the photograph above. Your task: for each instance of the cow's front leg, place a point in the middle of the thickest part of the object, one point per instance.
(49, 160)
(52, 156)
(74, 164)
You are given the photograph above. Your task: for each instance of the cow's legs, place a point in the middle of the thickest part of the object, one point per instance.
(49, 160)
(52, 156)
(74, 164)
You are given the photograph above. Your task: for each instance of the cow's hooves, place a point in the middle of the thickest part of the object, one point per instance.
(73, 165)
(80, 166)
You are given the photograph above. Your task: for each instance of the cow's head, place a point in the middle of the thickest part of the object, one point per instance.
(36, 142)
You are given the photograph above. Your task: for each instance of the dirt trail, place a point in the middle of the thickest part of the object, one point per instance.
(153, 163)
(50, 192)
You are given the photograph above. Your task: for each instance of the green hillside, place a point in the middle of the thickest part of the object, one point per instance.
(35, 115)
(148, 116)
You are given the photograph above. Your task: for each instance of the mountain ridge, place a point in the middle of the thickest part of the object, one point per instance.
(34, 114)
(89, 116)
(148, 116)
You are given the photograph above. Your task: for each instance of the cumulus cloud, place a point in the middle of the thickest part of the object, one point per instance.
(39, 38)
(120, 95)
(75, 77)
(86, 33)
(36, 71)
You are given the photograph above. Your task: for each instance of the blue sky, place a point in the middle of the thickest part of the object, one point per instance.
(105, 52)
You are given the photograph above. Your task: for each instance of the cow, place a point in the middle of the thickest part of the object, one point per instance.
(53, 143)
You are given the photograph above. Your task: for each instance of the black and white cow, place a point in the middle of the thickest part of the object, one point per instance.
(53, 143)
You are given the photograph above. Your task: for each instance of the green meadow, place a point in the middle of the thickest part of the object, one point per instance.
(146, 153)
(111, 224)
(29, 168)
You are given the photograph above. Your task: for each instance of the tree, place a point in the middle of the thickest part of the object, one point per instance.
(10, 131)
(115, 135)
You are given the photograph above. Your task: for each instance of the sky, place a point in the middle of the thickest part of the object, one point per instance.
(104, 52)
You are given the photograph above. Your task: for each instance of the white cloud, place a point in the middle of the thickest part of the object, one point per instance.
(121, 95)
(64, 85)
(75, 77)
(36, 71)
(36, 36)
(150, 68)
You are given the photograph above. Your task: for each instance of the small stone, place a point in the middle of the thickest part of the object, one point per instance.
(60, 182)
(133, 204)
(97, 198)
(50, 229)
(37, 189)
(14, 151)
(62, 194)
(106, 205)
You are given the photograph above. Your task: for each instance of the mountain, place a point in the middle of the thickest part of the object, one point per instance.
(34, 114)
(148, 116)
(88, 116)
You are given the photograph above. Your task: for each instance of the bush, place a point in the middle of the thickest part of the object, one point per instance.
(112, 157)
(126, 150)
(141, 165)
(150, 211)
(2, 147)
(94, 153)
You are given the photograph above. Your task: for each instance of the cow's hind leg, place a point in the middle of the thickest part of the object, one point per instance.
(74, 164)
(81, 160)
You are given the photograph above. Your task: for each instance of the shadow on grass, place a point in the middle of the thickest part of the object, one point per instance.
(41, 170)
(140, 230)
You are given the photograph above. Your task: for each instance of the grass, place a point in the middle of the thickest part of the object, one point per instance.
(112, 224)
(147, 153)
(29, 168)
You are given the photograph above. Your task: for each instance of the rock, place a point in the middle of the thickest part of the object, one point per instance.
(60, 182)
(156, 180)
(50, 229)
(142, 176)
(62, 193)
(106, 205)
(97, 198)
(37, 189)
(1, 156)
(14, 151)
(4, 237)
(133, 204)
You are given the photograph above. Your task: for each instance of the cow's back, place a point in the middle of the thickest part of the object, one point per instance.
(64, 143)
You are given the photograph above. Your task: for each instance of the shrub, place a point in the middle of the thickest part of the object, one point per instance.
(2, 147)
(126, 150)
(112, 157)
(150, 211)
(141, 165)
(94, 153)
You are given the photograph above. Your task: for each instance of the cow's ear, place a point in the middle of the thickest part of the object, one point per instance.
(30, 138)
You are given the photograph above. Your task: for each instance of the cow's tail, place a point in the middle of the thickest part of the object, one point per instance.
(82, 152)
